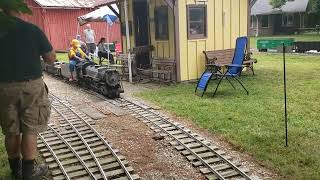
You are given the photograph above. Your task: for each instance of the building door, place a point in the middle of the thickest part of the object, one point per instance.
(141, 31)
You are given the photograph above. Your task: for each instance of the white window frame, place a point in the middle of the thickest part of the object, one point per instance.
(286, 16)
(268, 21)
(251, 21)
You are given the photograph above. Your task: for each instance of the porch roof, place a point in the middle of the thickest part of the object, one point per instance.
(263, 7)
(106, 2)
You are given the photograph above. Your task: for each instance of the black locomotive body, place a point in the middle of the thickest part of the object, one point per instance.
(102, 79)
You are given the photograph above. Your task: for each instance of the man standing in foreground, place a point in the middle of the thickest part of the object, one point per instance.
(90, 39)
(24, 104)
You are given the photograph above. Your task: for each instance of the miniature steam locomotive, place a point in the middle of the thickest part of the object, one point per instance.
(102, 79)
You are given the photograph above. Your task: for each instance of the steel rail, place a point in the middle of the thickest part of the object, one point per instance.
(203, 144)
(234, 167)
(54, 156)
(101, 138)
(85, 143)
(186, 147)
(73, 151)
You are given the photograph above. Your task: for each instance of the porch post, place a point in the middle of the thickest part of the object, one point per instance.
(177, 38)
(128, 39)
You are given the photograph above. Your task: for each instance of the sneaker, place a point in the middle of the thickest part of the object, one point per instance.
(39, 172)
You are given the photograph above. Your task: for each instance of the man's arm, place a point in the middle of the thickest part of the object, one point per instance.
(83, 54)
(45, 48)
(49, 57)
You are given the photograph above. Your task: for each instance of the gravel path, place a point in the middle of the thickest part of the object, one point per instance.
(150, 156)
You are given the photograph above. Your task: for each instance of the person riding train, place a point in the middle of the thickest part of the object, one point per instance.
(75, 56)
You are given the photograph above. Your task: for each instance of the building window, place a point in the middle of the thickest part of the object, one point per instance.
(161, 23)
(197, 21)
(265, 21)
(287, 19)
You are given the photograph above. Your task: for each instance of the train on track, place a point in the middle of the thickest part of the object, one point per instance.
(101, 79)
(304, 46)
(263, 45)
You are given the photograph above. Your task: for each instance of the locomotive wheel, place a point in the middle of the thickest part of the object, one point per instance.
(113, 93)
(103, 90)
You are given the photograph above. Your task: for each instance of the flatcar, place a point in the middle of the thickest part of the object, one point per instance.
(303, 46)
(102, 79)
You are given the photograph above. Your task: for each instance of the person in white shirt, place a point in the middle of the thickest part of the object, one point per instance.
(90, 36)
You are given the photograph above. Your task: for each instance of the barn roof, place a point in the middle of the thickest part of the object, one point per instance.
(104, 2)
(263, 7)
(66, 3)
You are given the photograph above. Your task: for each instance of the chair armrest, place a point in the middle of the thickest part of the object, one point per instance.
(233, 65)
(214, 64)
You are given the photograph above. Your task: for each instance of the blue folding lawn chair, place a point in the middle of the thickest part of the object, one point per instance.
(233, 70)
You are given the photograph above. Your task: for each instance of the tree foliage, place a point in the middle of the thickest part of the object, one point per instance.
(277, 3)
(18, 6)
(313, 7)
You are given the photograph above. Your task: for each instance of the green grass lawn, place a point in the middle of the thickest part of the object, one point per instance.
(4, 166)
(304, 37)
(255, 124)
(64, 58)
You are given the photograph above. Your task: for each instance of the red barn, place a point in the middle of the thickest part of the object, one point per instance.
(58, 19)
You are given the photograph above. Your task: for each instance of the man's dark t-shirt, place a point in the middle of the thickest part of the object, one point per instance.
(20, 51)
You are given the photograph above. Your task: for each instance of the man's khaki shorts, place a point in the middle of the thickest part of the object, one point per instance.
(24, 107)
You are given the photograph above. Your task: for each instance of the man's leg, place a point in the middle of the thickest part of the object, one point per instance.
(12, 142)
(29, 151)
(29, 146)
(33, 121)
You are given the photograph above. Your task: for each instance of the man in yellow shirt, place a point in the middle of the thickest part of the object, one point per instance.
(75, 56)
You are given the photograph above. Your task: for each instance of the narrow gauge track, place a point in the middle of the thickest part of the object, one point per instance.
(211, 161)
(75, 150)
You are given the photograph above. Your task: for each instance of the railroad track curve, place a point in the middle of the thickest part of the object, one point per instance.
(209, 158)
(75, 150)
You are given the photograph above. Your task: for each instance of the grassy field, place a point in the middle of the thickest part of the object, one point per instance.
(64, 58)
(4, 166)
(255, 124)
(304, 37)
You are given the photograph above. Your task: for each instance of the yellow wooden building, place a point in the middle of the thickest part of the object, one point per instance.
(183, 29)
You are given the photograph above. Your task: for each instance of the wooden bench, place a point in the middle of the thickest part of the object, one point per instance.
(224, 57)
(163, 70)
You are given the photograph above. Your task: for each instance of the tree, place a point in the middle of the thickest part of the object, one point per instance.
(277, 3)
(313, 7)
(18, 6)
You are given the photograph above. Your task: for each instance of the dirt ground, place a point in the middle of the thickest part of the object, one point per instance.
(151, 158)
